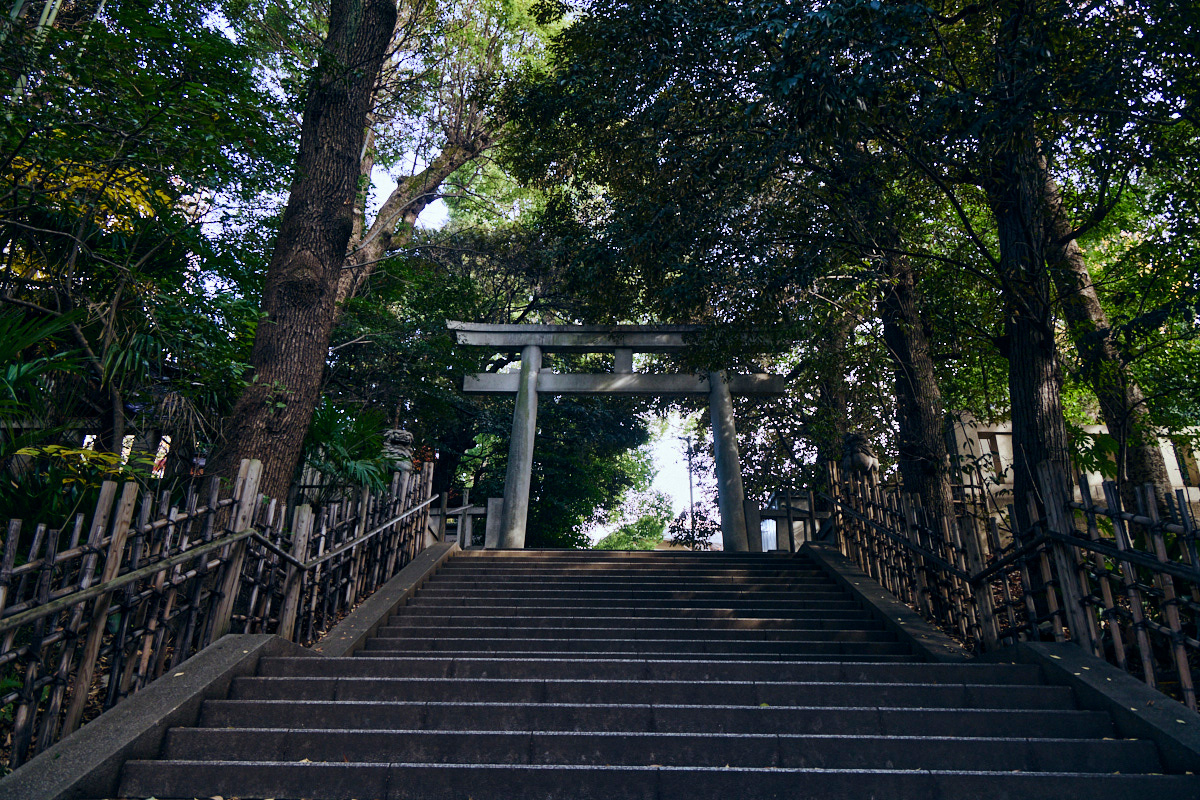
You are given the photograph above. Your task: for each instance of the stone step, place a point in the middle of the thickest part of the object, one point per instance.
(645, 572)
(615, 582)
(557, 675)
(466, 618)
(688, 655)
(642, 595)
(606, 668)
(668, 749)
(697, 718)
(660, 557)
(441, 608)
(725, 693)
(395, 781)
(603, 601)
(630, 632)
(883, 644)
(766, 569)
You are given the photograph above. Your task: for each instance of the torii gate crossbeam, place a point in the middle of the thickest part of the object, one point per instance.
(531, 341)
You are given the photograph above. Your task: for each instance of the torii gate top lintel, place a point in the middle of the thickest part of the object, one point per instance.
(574, 338)
(622, 340)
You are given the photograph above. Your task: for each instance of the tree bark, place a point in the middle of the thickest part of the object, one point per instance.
(831, 418)
(924, 462)
(1122, 404)
(291, 343)
(1034, 378)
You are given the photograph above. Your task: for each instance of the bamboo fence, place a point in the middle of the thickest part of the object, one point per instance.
(1122, 583)
(95, 610)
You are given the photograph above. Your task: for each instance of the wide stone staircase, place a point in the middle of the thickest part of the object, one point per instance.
(662, 675)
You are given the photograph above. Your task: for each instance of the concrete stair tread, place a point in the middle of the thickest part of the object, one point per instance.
(677, 717)
(646, 748)
(450, 633)
(409, 781)
(689, 655)
(673, 676)
(822, 694)
(582, 612)
(444, 622)
(701, 669)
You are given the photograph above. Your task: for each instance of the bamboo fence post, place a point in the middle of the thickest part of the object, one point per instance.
(441, 531)
(320, 574)
(302, 529)
(1104, 578)
(112, 565)
(1026, 580)
(1170, 604)
(247, 502)
(25, 716)
(981, 590)
(87, 570)
(1010, 605)
(9, 561)
(1189, 537)
(1132, 593)
(920, 569)
(812, 516)
(1056, 499)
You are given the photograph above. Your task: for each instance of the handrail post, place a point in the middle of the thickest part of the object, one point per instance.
(243, 516)
(1064, 563)
(302, 526)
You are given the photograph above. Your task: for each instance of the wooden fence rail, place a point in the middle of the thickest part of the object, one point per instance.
(1125, 585)
(93, 611)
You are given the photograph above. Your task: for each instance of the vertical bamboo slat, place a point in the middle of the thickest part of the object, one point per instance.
(1170, 606)
(302, 529)
(91, 647)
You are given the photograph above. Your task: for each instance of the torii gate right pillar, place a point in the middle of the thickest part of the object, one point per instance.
(731, 494)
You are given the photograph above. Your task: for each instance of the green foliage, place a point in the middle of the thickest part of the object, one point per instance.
(642, 534)
(133, 128)
(647, 514)
(29, 356)
(345, 446)
(739, 195)
(695, 530)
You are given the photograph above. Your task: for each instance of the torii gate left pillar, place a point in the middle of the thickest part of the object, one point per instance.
(520, 452)
(622, 340)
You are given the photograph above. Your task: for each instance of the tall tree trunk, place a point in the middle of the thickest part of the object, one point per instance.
(924, 462)
(291, 343)
(1122, 404)
(920, 418)
(1015, 194)
(831, 418)
(1034, 377)
(453, 446)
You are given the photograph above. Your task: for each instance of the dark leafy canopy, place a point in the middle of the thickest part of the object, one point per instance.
(694, 116)
(704, 147)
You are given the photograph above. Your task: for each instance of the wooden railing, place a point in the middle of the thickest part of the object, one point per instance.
(93, 611)
(1124, 585)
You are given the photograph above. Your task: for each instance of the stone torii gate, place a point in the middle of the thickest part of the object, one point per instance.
(531, 341)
